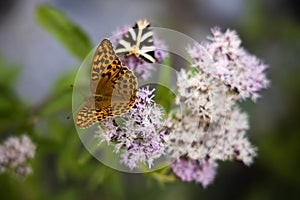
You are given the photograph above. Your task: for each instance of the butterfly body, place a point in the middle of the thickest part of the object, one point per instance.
(113, 88)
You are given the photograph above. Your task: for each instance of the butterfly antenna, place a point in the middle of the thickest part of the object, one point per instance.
(77, 109)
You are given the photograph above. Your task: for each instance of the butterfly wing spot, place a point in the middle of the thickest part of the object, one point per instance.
(103, 57)
(86, 117)
(124, 93)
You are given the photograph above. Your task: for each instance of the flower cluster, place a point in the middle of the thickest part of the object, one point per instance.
(141, 68)
(224, 140)
(230, 63)
(203, 95)
(140, 137)
(15, 152)
(207, 126)
(210, 126)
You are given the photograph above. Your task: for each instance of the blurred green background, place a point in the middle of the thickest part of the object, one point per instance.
(41, 49)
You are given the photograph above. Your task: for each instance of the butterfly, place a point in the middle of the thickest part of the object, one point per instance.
(138, 41)
(113, 88)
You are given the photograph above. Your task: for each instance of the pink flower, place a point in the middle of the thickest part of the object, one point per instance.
(226, 60)
(192, 170)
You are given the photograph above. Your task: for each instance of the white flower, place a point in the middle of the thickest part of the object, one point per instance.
(204, 95)
(224, 140)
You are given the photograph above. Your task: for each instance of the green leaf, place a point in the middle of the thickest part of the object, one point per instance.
(164, 96)
(162, 176)
(13, 111)
(67, 32)
(59, 99)
(9, 73)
